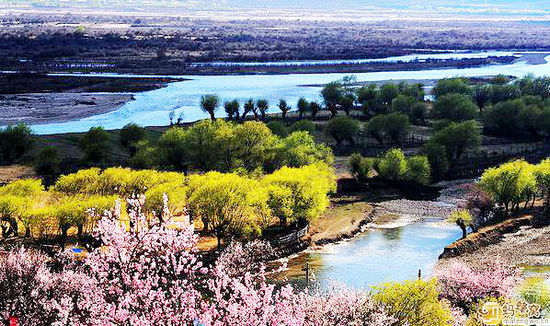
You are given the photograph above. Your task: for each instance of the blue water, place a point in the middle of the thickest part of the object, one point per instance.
(381, 255)
(153, 107)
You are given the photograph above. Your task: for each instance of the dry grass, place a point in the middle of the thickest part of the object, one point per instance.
(342, 217)
(13, 172)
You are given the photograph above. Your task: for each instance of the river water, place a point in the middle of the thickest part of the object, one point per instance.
(377, 255)
(153, 107)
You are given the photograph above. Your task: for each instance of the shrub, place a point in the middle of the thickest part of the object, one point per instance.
(303, 125)
(376, 128)
(419, 112)
(419, 169)
(360, 167)
(15, 141)
(278, 128)
(342, 129)
(392, 165)
(404, 104)
(413, 303)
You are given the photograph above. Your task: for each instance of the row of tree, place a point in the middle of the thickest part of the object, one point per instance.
(226, 204)
(392, 166)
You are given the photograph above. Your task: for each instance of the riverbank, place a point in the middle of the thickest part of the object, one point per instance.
(37, 98)
(515, 242)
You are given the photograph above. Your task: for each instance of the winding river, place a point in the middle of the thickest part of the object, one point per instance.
(153, 107)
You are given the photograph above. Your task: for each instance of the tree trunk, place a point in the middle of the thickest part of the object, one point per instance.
(212, 116)
(27, 232)
(462, 226)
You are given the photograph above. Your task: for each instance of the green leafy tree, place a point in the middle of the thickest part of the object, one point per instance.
(455, 107)
(314, 107)
(376, 128)
(510, 184)
(404, 104)
(300, 149)
(232, 109)
(463, 219)
(392, 165)
(15, 141)
(542, 175)
(342, 129)
(455, 85)
(303, 106)
(388, 92)
(501, 118)
(419, 112)
(397, 126)
(332, 94)
(47, 162)
(209, 104)
(458, 138)
(284, 107)
(263, 106)
(249, 107)
(418, 169)
(171, 149)
(437, 157)
(130, 135)
(95, 145)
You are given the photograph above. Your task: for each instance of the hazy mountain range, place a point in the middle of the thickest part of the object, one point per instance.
(501, 7)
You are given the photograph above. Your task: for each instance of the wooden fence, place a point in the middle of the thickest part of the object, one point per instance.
(290, 238)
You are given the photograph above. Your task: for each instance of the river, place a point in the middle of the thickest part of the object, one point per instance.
(377, 255)
(153, 107)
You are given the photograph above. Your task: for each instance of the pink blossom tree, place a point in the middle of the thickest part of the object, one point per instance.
(462, 285)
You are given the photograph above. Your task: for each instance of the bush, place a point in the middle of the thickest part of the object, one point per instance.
(360, 167)
(278, 128)
(404, 104)
(419, 170)
(413, 303)
(392, 165)
(15, 141)
(303, 125)
(94, 145)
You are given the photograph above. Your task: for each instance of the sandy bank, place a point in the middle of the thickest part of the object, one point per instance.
(36, 108)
